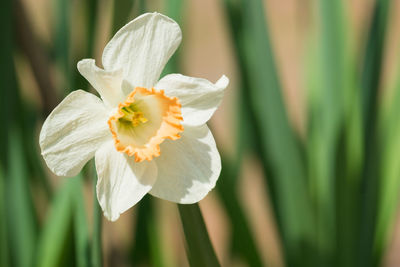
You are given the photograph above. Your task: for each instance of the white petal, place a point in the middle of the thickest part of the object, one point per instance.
(142, 48)
(107, 83)
(73, 132)
(199, 97)
(188, 168)
(122, 182)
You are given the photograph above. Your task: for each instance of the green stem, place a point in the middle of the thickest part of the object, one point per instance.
(97, 259)
(198, 245)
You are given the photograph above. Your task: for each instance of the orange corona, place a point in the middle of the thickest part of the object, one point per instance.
(144, 121)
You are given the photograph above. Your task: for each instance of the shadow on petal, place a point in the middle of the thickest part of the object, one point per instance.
(188, 168)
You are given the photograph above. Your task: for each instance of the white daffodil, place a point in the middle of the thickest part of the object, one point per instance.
(147, 136)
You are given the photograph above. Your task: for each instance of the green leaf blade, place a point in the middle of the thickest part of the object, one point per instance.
(198, 245)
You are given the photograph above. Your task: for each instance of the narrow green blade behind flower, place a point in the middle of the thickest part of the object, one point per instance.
(389, 135)
(372, 63)
(141, 252)
(330, 86)
(6, 75)
(370, 82)
(20, 211)
(54, 242)
(174, 10)
(198, 245)
(4, 253)
(147, 250)
(62, 41)
(97, 247)
(91, 22)
(81, 231)
(122, 12)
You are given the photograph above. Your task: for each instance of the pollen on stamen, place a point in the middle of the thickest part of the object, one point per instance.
(144, 121)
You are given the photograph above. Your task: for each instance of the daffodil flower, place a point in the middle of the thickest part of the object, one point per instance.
(147, 135)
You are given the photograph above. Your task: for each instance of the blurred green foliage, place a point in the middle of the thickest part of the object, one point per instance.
(334, 192)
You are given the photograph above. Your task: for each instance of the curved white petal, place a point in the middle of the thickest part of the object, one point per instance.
(122, 182)
(73, 132)
(107, 83)
(142, 48)
(199, 97)
(188, 168)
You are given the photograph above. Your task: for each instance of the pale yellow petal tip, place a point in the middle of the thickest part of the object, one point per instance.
(168, 128)
(222, 82)
(112, 218)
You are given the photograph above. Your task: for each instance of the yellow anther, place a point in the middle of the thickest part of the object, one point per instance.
(132, 116)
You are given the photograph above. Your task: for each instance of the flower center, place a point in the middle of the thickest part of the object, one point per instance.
(132, 116)
(144, 121)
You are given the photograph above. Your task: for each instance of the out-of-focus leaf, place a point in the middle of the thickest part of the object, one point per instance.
(142, 6)
(20, 211)
(7, 76)
(141, 249)
(147, 250)
(6, 101)
(97, 248)
(349, 159)
(389, 134)
(30, 143)
(371, 69)
(174, 10)
(62, 41)
(330, 86)
(158, 257)
(370, 80)
(89, 36)
(243, 241)
(29, 47)
(36, 56)
(4, 260)
(277, 143)
(198, 245)
(82, 243)
(58, 225)
(91, 9)
(122, 12)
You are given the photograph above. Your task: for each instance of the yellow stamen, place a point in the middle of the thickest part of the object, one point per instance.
(132, 116)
